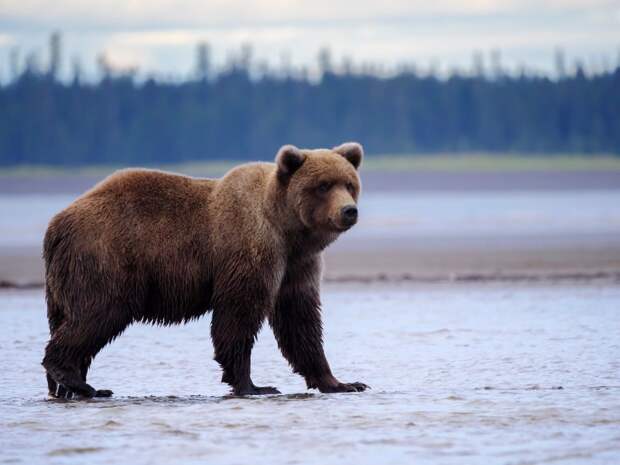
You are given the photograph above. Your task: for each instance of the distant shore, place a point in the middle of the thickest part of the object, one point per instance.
(372, 180)
(423, 259)
(422, 163)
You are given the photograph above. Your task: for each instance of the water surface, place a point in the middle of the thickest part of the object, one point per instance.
(477, 374)
(402, 214)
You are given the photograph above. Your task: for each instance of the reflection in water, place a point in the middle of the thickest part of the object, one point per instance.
(477, 374)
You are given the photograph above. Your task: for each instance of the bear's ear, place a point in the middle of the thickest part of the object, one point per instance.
(352, 151)
(289, 159)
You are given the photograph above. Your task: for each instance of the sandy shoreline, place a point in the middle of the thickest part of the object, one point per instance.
(477, 258)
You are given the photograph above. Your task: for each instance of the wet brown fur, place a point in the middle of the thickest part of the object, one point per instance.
(156, 247)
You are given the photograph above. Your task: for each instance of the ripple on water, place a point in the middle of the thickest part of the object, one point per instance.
(468, 374)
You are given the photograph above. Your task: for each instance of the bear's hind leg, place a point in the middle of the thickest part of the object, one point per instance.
(68, 355)
(63, 372)
(55, 316)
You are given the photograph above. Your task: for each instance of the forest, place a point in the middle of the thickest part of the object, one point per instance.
(234, 115)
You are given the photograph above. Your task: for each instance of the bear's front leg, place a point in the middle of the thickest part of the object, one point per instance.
(296, 323)
(233, 329)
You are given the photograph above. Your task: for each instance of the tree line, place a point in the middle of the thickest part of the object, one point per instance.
(234, 116)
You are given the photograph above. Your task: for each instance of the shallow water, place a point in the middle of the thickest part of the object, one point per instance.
(477, 374)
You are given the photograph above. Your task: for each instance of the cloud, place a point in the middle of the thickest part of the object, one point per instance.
(6, 40)
(160, 35)
(121, 58)
(183, 14)
(155, 38)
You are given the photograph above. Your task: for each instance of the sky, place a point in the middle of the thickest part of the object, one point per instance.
(159, 37)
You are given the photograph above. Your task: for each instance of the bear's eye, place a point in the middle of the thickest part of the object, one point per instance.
(324, 187)
(350, 187)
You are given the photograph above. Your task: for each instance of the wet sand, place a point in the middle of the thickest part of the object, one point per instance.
(475, 258)
(421, 260)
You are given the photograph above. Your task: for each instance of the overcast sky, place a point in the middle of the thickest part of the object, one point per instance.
(160, 36)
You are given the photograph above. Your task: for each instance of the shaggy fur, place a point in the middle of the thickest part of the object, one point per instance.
(149, 246)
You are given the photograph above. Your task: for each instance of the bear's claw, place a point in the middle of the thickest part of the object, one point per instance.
(62, 392)
(266, 390)
(358, 387)
(345, 387)
(256, 391)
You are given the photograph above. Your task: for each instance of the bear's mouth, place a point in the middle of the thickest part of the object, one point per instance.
(338, 227)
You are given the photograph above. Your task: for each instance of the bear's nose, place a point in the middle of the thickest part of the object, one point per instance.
(349, 214)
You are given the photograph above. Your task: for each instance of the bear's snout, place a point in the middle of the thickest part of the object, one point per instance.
(349, 215)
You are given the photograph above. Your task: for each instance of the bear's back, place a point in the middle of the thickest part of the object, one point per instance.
(134, 213)
(148, 190)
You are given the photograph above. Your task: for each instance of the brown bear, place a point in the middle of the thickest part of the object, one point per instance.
(157, 247)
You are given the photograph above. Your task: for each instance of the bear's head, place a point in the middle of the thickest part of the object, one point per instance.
(322, 186)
